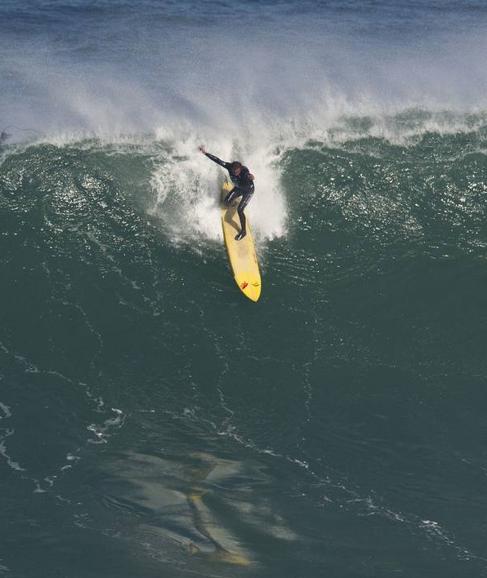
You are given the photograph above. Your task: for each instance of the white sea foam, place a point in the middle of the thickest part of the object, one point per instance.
(187, 185)
(5, 410)
(304, 71)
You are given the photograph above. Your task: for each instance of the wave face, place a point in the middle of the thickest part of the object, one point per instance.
(151, 420)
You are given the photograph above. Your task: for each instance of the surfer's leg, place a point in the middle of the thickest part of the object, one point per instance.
(243, 222)
(243, 225)
(232, 195)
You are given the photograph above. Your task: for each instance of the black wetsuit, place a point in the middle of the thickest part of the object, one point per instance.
(244, 187)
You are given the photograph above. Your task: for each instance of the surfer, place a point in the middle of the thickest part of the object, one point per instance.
(244, 187)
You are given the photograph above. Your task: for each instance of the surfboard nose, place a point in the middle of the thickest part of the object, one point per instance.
(250, 290)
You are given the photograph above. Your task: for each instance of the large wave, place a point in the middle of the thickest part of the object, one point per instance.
(248, 84)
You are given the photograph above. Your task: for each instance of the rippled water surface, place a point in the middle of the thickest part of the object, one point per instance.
(152, 421)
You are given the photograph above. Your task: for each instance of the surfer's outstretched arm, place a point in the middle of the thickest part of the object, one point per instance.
(215, 159)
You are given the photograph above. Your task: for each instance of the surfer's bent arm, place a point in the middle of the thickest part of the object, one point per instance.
(217, 160)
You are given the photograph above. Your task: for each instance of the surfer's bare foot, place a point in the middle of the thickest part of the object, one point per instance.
(240, 236)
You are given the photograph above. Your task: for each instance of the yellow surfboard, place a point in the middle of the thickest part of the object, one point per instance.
(241, 254)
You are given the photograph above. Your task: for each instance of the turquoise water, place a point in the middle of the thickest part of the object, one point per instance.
(153, 421)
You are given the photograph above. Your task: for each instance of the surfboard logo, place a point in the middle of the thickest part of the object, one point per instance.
(244, 285)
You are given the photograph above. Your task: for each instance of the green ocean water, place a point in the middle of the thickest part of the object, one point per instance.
(153, 422)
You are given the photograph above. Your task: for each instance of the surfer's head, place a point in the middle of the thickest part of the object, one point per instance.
(236, 167)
